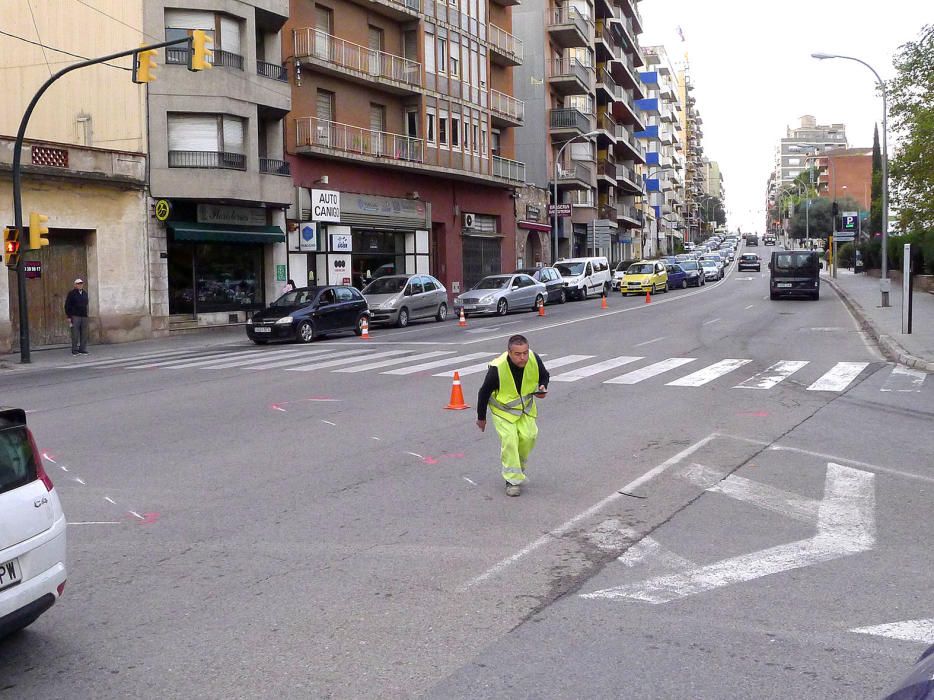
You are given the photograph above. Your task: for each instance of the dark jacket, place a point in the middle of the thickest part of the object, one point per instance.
(76, 303)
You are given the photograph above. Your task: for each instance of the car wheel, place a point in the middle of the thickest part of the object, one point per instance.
(539, 301)
(816, 295)
(582, 293)
(403, 319)
(684, 284)
(358, 328)
(259, 341)
(502, 308)
(773, 296)
(606, 290)
(305, 332)
(563, 297)
(442, 312)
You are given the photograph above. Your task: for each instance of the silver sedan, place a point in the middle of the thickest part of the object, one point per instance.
(398, 299)
(500, 294)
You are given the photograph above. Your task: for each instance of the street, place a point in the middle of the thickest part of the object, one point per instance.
(726, 492)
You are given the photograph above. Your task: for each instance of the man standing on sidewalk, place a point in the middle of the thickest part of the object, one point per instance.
(76, 309)
(512, 382)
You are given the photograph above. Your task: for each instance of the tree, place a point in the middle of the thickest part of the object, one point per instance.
(875, 208)
(911, 104)
(819, 220)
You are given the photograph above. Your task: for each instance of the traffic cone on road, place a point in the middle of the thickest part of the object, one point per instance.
(541, 309)
(648, 297)
(603, 304)
(463, 320)
(365, 330)
(457, 395)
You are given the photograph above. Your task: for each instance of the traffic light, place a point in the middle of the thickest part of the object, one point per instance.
(200, 57)
(11, 247)
(144, 66)
(37, 230)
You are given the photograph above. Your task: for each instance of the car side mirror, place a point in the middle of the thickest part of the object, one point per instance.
(407, 292)
(515, 285)
(770, 266)
(821, 266)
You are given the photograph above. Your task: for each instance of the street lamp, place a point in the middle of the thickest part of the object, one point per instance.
(884, 281)
(554, 218)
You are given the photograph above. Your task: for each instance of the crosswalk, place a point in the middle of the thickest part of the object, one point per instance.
(677, 372)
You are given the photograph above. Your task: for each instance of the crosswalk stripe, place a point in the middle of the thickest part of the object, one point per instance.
(839, 377)
(773, 375)
(345, 361)
(708, 374)
(590, 370)
(395, 361)
(437, 363)
(295, 356)
(482, 366)
(650, 371)
(113, 361)
(181, 363)
(904, 379)
(464, 371)
(324, 354)
(566, 360)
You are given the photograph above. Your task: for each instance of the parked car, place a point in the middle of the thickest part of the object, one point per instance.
(398, 299)
(694, 272)
(32, 528)
(645, 276)
(677, 277)
(752, 241)
(749, 261)
(500, 294)
(721, 263)
(551, 278)
(711, 269)
(308, 313)
(795, 272)
(620, 270)
(728, 252)
(585, 276)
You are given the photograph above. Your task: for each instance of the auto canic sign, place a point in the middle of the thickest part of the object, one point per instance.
(326, 205)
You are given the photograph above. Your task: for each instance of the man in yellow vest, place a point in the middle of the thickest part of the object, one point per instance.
(512, 382)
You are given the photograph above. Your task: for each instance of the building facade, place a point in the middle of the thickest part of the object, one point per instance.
(692, 133)
(846, 173)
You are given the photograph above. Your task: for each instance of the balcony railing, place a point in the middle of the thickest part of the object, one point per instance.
(571, 67)
(274, 167)
(313, 43)
(570, 119)
(607, 123)
(559, 16)
(505, 42)
(608, 211)
(624, 173)
(628, 211)
(608, 168)
(575, 170)
(624, 134)
(509, 169)
(226, 59)
(273, 71)
(311, 131)
(207, 159)
(507, 105)
(604, 78)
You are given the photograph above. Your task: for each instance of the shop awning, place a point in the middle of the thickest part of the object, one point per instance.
(534, 226)
(222, 233)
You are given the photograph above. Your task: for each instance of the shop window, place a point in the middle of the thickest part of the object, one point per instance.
(211, 277)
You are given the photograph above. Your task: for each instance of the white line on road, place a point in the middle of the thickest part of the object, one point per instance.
(839, 376)
(713, 320)
(415, 454)
(80, 480)
(110, 500)
(649, 342)
(136, 515)
(749, 307)
(904, 379)
(708, 374)
(649, 548)
(650, 371)
(269, 356)
(907, 630)
(183, 362)
(482, 366)
(773, 375)
(345, 361)
(97, 522)
(470, 481)
(396, 361)
(358, 352)
(437, 363)
(328, 422)
(590, 370)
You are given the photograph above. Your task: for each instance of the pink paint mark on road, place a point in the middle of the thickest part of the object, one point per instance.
(754, 414)
(149, 518)
(49, 457)
(277, 407)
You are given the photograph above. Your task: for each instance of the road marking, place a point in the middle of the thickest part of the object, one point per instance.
(596, 508)
(110, 500)
(144, 357)
(437, 363)
(649, 549)
(713, 320)
(845, 526)
(749, 307)
(482, 366)
(345, 361)
(708, 374)
(135, 514)
(299, 360)
(839, 377)
(773, 375)
(650, 371)
(97, 522)
(904, 379)
(396, 361)
(907, 630)
(590, 370)
(178, 363)
(415, 454)
(328, 422)
(649, 342)
(297, 355)
(470, 481)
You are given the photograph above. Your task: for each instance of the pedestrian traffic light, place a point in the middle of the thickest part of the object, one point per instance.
(200, 57)
(144, 66)
(37, 230)
(11, 247)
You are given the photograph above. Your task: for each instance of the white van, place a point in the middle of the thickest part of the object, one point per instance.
(584, 277)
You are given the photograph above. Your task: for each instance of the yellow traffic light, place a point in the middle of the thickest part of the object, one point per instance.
(37, 229)
(144, 66)
(11, 247)
(200, 57)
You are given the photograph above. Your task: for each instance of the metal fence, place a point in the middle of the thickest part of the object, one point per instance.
(311, 131)
(313, 43)
(207, 159)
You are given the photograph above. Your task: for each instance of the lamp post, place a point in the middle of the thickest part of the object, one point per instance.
(554, 218)
(884, 281)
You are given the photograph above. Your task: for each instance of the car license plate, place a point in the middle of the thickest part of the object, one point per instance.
(262, 329)
(10, 573)
(470, 307)
(784, 285)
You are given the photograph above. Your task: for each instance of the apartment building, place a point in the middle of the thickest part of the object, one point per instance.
(403, 123)
(692, 133)
(196, 235)
(843, 173)
(581, 91)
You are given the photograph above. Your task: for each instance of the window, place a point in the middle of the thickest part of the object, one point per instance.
(455, 131)
(324, 106)
(324, 19)
(179, 24)
(495, 143)
(415, 285)
(476, 143)
(430, 126)
(17, 461)
(344, 294)
(443, 129)
(442, 55)
(429, 53)
(483, 149)
(411, 122)
(206, 141)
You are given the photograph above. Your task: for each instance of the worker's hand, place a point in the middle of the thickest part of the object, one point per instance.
(482, 425)
(542, 392)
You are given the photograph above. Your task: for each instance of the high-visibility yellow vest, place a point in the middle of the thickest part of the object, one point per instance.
(510, 402)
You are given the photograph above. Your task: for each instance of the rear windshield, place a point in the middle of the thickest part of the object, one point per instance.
(17, 462)
(689, 265)
(570, 269)
(804, 262)
(751, 256)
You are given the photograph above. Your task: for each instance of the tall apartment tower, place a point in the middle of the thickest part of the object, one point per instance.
(584, 80)
(402, 139)
(692, 133)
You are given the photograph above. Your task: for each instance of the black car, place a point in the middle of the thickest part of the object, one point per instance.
(749, 261)
(309, 312)
(551, 278)
(795, 272)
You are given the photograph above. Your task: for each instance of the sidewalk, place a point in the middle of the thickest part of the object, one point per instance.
(861, 294)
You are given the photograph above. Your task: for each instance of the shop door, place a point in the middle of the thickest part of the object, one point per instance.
(63, 260)
(481, 258)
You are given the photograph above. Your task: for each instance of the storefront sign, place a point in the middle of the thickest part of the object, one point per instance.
(308, 237)
(563, 210)
(33, 269)
(163, 209)
(339, 269)
(373, 209)
(238, 216)
(280, 273)
(326, 205)
(341, 242)
(532, 213)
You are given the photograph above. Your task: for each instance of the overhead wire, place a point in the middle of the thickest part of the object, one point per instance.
(38, 36)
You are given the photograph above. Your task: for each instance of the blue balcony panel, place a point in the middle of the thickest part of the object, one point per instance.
(651, 132)
(649, 105)
(652, 185)
(649, 78)
(653, 158)
(658, 212)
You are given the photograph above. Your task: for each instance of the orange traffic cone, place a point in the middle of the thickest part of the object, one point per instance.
(365, 330)
(457, 395)
(463, 321)
(541, 309)
(648, 297)
(603, 304)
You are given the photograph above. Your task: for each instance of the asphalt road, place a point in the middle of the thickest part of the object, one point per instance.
(308, 521)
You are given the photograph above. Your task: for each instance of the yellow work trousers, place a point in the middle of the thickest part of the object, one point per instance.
(516, 443)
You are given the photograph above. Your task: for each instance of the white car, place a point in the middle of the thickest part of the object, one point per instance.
(711, 270)
(32, 528)
(584, 277)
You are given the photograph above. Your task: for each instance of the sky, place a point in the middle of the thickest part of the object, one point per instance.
(754, 76)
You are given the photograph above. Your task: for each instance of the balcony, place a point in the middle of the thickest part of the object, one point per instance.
(575, 175)
(605, 43)
(608, 211)
(273, 71)
(568, 76)
(607, 127)
(358, 63)
(608, 171)
(272, 166)
(624, 111)
(568, 123)
(215, 160)
(507, 49)
(649, 106)
(628, 216)
(606, 86)
(628, 145)
(506, 110)
(506, 3)
(568, 28)
(627, 180)
(317, 135)
(175, 55)
(400, 10)
(624, 72)
(511, 170)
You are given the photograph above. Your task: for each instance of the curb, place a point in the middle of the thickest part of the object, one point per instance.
(889, 346)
